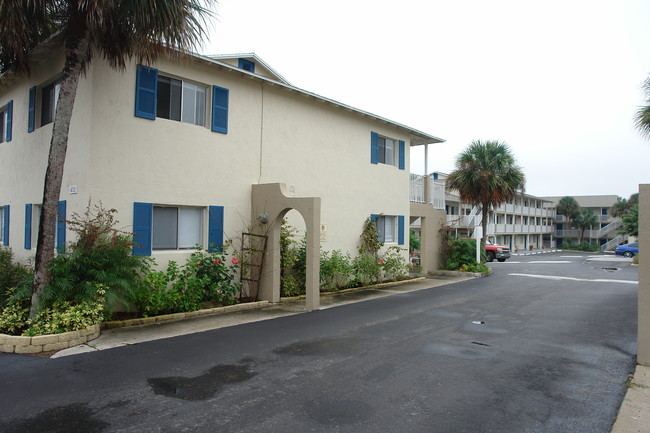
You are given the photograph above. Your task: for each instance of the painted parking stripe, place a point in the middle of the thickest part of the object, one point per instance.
(554, 277)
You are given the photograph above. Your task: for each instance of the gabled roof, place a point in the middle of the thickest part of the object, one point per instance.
(416, 137)
(254, 58)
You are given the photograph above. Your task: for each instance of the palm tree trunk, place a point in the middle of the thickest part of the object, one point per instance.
(75, 53)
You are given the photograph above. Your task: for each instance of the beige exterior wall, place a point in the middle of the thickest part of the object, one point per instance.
(643, 340)
(275, 135)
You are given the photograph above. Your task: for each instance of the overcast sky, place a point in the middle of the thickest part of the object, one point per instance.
(559, 80)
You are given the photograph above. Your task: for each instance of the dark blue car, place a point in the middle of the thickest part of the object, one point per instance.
(628, 250)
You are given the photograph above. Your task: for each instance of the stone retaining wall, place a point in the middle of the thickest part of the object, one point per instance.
(46, 343)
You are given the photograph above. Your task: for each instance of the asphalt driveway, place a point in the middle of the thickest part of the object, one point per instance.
(543, 345)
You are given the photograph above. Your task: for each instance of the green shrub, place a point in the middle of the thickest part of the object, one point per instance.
(12, 274)
(367, 270)
(336, 270)
(101, 255)
(583, 246)
(13, 318)
(61, 316)
(293, 259)
(394, 265)
(206, 276)
(460, 252)
(64, 316)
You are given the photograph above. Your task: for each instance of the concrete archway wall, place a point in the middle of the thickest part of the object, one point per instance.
(273, 201)
(430, 238)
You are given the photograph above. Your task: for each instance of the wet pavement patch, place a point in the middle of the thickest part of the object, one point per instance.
(338, 412)
(73, 418)
(203, 386)
(318, 347)
(458, 351)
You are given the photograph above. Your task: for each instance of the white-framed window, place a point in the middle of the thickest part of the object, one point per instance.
(386, 228)
(181, 101)
(49, 99)
(177, 227)
(387, 149)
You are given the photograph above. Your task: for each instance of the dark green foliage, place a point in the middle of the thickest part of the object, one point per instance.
(335, 270)
(460, 254)
(205, 277)
(582, 246)
(101, 255)
(631, 221)
(12, 275)
(293, 259)
(414, 241)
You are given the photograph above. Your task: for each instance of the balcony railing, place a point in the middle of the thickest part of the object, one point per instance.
(436, 191)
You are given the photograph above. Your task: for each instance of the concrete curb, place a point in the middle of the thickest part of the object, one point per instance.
(532, 253)
(180, 316)
(633, 416)
(49, 342)
(355, 289)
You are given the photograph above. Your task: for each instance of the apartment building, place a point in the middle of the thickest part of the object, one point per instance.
(605, 233)
(200, 150)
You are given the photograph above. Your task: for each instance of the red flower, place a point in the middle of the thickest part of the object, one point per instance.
(216, 262)
(235, 261)
(381, 262)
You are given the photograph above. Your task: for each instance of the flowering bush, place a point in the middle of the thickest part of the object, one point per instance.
(206, 276)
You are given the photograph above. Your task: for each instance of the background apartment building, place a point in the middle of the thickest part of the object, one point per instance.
(606, 233)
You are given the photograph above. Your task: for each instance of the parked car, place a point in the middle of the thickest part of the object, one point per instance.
(498, 252)
(627, 250)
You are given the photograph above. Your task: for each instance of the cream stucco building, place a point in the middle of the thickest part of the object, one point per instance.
(200, 150)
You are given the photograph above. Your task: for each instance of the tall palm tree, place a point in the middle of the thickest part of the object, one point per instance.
(569, 207)
(486, 175)
(585, 219)
(116, 30)
(642, 118)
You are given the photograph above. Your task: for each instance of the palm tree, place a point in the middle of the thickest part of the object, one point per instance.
(585, 219)
(569, 207)
(642, 118)
(116, 30)
(486, 175)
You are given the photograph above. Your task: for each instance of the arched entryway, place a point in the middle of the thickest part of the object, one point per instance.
(270, 203)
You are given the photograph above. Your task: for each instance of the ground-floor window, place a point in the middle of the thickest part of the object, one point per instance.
(176, 227)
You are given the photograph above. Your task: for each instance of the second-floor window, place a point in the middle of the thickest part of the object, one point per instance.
(181, 101)
(49, 98)
(386, 151)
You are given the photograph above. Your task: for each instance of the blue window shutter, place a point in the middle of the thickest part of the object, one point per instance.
(6, 228)
(374, 217)
(215, 228)
(31, 111)
(142, 221)
(10, 117)
(220, 109)
(402, 155)
(146, 88)
(374, 148)
(60, 228)
(400, 229)
(28, 226)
